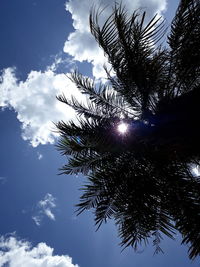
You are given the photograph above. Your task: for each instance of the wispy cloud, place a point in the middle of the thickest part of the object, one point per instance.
(37, 220)
(15, 252)
(44, 208)
(39, 155)
(2, 180)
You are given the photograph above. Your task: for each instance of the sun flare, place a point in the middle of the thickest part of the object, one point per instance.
(122, 128)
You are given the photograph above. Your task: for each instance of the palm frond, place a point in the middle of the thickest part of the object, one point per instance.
(88, 111)
(129, 46)
(184, 43)
(83, 163)
(102, 95)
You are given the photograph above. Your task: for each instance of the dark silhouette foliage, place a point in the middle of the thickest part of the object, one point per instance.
(142, 179)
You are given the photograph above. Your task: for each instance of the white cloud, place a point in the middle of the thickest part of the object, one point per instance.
(18, 253)
(44, 208)
(81, 44)
(34, 101)
(37, 220)
(39, 155)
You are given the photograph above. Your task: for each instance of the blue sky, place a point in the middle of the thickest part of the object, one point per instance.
(41, 40)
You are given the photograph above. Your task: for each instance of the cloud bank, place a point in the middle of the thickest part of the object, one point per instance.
(81, 44)
(18, 253)
(34, 101)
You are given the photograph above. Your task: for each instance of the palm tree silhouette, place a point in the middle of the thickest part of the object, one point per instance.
(141, 174)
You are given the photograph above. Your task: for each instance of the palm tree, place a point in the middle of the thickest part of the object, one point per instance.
(142, 175)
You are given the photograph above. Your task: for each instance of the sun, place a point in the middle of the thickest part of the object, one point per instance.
(122, 128)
